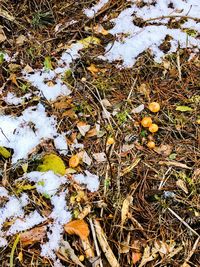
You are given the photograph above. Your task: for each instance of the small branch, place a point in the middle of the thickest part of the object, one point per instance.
(171, 17)
(183, 222)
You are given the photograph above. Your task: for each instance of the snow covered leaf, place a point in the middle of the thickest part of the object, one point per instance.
(32, 236)
(89, 40)
(77, 227)
(4, 152)
(183, 108)
(52, 162)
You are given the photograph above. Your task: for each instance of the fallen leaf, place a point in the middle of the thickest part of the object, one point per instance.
(129, 168)
(5, 152)
(74, 161)
(183, 108)
(33, 236)
(182, 185)
(64, 103)
(20, 40)
(144, 89)
(47, 63)
(92, 132)
(164, 150)
(100, 29)
(138, 109)
(28, 69)
(2, 35)
(99, 157)
(70, 113)
(147, 256)
(77, 227)
(93, 69)
(136, 256)
(52, 162)
(125, 209)
(86, 42)
(13, 67)
(196, 175)
(175, 164)
(83, 128)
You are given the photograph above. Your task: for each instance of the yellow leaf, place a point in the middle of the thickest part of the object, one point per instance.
(92, 68)
(89, 40)
(52, 162)
(74, 161)
(4, 152)
(77, 227)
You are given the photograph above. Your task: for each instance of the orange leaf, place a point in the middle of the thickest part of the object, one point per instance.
(92, 68)
(136, 256)
(74, 161)
(77, 227)
(32, 236)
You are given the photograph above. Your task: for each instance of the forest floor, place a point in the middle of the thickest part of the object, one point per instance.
(146, 209)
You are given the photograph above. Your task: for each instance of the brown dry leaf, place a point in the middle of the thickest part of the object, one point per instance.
(129, 168)
(28, 69)
(92, 132)
(70, 113)
(144, 89)
(100, 29)
(100, 157)
(125, 209)
(93, 69)
(13, 79)
(32, 236)
(147, 256)
(77, 227)
(164, 150)
(182, 185)
(83, 127)
(2, 35)
(104, 245)
(196, 175)
(13, 67)
(21, 40)
(64, 103)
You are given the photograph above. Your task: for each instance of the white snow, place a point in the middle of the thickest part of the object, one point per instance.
(12, 99)
(49, 82)
(60, 143)
(60, 213)
(90, 12)
(132, 40)
(47, 183)
(54, 235)
(32, 219)
(90, 180)
(13, 208)
(3, 192)
(25, 132)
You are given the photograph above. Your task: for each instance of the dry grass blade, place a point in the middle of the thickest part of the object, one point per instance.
(104, 245)
(175, 164)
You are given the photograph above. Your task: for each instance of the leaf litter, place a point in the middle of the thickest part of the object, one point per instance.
(66, 100)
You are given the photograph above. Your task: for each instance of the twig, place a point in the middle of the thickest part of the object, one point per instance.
(95, 242)
(183, 222)
(191, 252)
(104, 245)
(179, 66)
(172, 16)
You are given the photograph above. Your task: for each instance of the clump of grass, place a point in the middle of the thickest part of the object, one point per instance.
(42, 19)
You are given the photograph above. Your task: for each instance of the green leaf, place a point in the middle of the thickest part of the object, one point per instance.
(4, 152)
(184, 108)
(52, 162)
(172, 156)
(47, 63)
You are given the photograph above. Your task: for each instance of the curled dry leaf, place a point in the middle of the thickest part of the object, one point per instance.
(33, 236)
(77, 227)
(182, 185)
